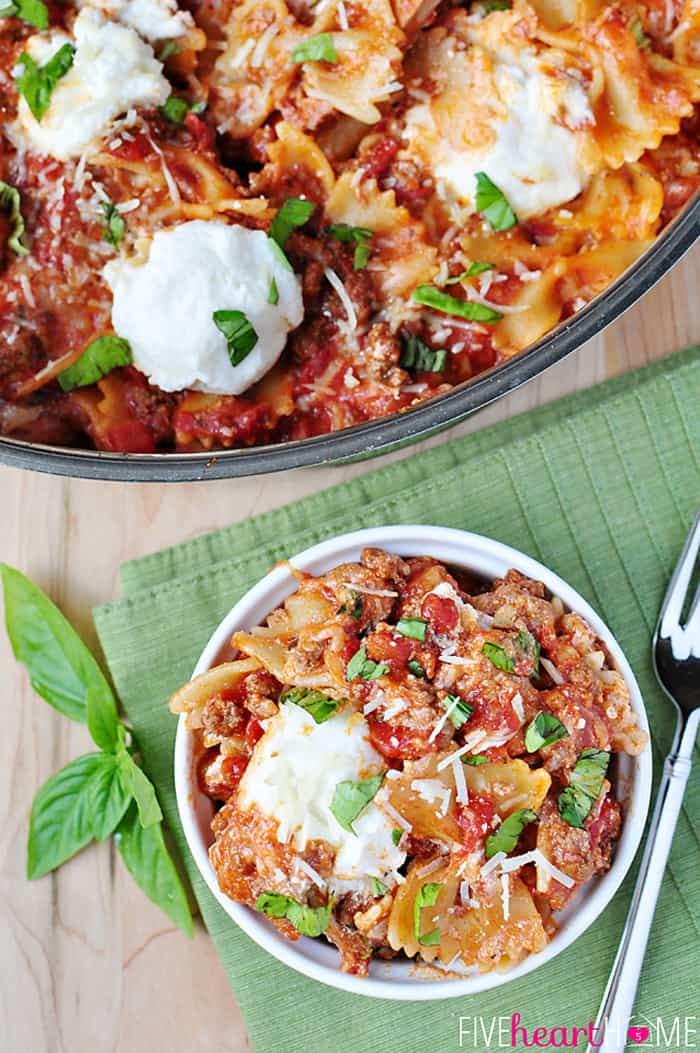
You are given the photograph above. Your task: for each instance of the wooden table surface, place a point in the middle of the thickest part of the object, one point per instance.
(87, 964)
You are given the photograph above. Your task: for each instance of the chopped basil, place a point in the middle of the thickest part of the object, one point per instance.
(492, 204)
(37, 83)
(637, 30)
(487, 6)
(113, 225)
(316, 49)
(530, 648)
(354, 608)
(308, 921)
(294, 212)
(273, 295)
(471, 272)
(241, 338)
(543, 731)
(506, 837)
(416, 668)
(175, 109)
(351, 798)
(585, 784)
(476, 760)
(427, 896)
(498, 657)
(10, 202)
(396, 834)
(360, 235)
(461, 712)
(378, 887)
(99, 358)
(429, 296)
(168, 49)
(318, 705)
(413, 627)
(417, 355)
(362, 666)
(32, 11)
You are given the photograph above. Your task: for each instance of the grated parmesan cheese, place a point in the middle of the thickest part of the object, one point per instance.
(342, 296)
(460, 782)
(550, 668)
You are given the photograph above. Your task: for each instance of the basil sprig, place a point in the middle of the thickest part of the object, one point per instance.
(10, 202)
(175, 109)
(360, 235)
(412, 627)
(543, 731)
(427, 896)
(99, 358)
(492, 204)
(585, 784)
(318, 705)
(112, 224)
(461, 712)
(417, 355)
(396, 835)
(273, 294)
(240, 335)
(320, 48)
(506, 837)
(294, 212)
(429, 296)
(37, 83)
(308, 921)
(498, 657)
(32, 11)
(98, 794)
(362, 666)
(351, 798)
(476, 760)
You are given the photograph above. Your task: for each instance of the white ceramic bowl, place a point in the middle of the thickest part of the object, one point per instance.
(316, 958)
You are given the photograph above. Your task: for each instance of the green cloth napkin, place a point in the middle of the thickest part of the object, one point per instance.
(602, 487)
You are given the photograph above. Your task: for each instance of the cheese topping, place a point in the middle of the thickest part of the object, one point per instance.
(164, 306)
(152, 19)
(293, 774)
(113, 71)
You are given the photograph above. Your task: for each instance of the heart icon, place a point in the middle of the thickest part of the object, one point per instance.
(638, 1034)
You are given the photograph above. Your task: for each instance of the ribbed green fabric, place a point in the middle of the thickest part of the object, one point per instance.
(602, 487)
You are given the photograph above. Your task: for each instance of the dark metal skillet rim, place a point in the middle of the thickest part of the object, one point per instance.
(372, 437)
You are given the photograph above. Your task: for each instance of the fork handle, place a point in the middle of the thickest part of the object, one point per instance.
(610, 1034)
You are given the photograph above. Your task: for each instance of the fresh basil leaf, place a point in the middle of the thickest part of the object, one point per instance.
(476, 760)
(113, 225)
(396, 835)
(363, 251)
(280, 254)
(308, 921)
(60, 823)
(640, 38)
(590, 770)
(354, 609)
(506, 836)
(168, 48)
(574, 806)
(10, 202)
(362, 666)
(378, 887)
(320, 48)
(487, 6)
(99, 358)
(273, 295)
(461, 712)
(472, 270)
(148, 861)
(32, 11)
(318, 705)
(498, 657)
(530, 647)
(427, 896)
(416, 668)
(412, 627)
(492, 204)
(429, 296)
(175, 109)
(360, 235)
(141, 789)
(37, 84)
(417, 355)
(240, 335)
(295, 212)
(351, 798)
(108, 797)
(61, 668)
(543, 731)
(103, 718)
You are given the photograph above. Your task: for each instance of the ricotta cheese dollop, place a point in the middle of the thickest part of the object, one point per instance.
(164, 306)
(292, 776)
(113, 71)
(152, 19)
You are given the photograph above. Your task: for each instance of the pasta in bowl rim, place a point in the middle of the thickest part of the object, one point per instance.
(399, 979)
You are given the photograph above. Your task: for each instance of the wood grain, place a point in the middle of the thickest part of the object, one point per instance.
(87, 965)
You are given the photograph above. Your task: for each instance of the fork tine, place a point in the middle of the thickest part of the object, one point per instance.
(671, 608)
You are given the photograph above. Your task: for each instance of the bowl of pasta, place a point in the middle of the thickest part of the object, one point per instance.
(250, 237)
(412, 763)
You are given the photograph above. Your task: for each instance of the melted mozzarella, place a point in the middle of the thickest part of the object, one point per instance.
(164, 306)
(152, 19)
(292, 776)
(113, 71)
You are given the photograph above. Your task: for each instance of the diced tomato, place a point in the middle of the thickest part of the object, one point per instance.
(395, 741)
(441, 612)
(474, 821)
(253, 732)
(492, 712)
(379, 157)
(386, 646)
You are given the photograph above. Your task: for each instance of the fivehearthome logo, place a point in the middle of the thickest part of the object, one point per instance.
(640, 1033)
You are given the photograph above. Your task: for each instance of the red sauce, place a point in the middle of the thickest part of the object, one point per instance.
(474, 820)
(441, 612)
